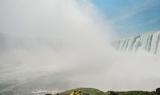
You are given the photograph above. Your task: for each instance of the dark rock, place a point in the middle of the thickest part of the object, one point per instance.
(112, 93)
(85, 94)
(158, 91)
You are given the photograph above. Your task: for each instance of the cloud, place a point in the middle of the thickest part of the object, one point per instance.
(49, 18)
(135, 8)
(84, 40)
(154, 20)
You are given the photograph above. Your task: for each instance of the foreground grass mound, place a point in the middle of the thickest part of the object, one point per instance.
(85, 90)
(93, 91)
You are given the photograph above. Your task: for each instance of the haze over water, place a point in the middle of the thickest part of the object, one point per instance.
(55, 45)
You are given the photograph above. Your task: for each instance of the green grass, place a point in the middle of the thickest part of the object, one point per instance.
(85, 90)
(136, 93)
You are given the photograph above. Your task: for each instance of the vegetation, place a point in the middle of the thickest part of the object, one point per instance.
(85, 90)
(93, 91)
(136, 93)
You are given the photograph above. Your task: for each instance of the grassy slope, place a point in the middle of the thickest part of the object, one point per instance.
(94, 91)
(136, 93)
(85, 90)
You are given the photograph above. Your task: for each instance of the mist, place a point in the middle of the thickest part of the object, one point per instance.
(56, 45)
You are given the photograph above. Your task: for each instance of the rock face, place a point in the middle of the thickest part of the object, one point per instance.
(85, 94)
(158, 91)
(112, 93)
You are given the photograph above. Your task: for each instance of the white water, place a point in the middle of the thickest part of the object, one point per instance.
(148, 42)
(40, 64)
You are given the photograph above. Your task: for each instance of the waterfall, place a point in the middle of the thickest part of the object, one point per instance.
(10, 42)
(148, 42)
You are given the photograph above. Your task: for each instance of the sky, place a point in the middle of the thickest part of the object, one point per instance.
(123, 18)
(130, 17)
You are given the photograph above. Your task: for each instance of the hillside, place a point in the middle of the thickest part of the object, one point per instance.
(93, 91)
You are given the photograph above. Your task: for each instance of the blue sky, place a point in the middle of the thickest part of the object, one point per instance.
(131, 17)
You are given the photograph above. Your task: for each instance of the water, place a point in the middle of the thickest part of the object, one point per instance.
(148, 42)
